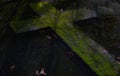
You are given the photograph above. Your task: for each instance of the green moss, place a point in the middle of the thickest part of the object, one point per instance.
(77, 40)
(81, 44)
(25, 25)
(95, 60)
(45, 18)
(43, 8)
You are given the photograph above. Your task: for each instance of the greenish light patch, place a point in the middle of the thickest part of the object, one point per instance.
(41, 4)
(43, 8)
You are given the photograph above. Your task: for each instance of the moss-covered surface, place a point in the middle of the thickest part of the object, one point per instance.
(90, 54)
(79, 42)
(82, 46)
(43, 19)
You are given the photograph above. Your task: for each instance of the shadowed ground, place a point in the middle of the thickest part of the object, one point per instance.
(42, 49)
